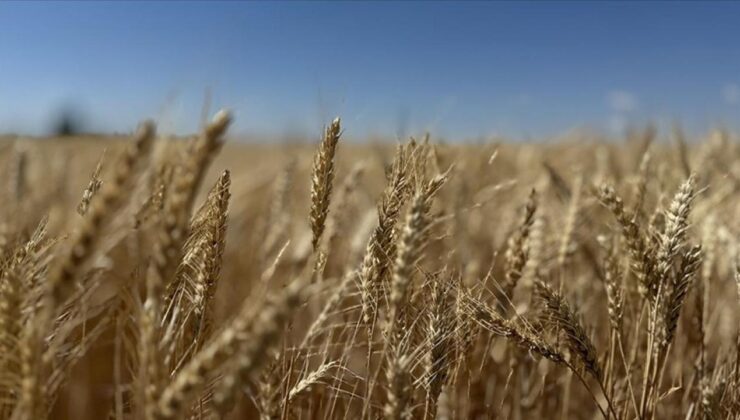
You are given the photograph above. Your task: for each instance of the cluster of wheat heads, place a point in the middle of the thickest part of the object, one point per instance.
(577, 280)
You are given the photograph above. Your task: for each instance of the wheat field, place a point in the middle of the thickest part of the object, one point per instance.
(150, 277)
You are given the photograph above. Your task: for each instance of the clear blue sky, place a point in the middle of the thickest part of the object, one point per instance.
(457, 69)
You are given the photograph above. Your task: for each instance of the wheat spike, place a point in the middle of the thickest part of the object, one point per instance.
(322, 180)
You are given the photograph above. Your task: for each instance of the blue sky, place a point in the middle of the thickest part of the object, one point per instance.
(457, 69)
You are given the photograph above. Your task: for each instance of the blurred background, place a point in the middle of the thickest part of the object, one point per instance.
(459, 70)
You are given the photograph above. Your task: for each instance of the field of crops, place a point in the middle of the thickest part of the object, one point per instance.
(159, 278)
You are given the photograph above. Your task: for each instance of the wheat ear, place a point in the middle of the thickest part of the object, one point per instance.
(322, 180)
